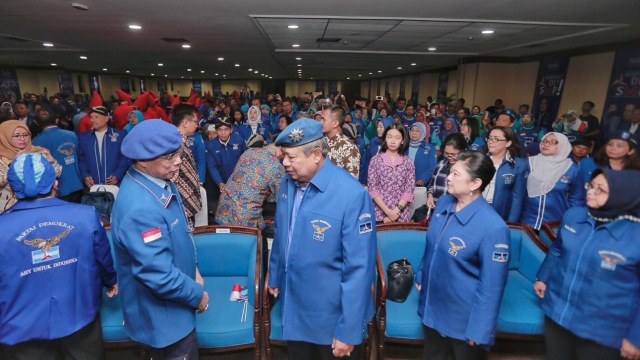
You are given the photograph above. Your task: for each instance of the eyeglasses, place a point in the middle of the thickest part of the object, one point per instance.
(549, 142)
(451, 155)
(172, 156)
(596, 190)
(21, 136)
(492, 139)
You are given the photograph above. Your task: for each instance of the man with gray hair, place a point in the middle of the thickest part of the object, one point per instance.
(323, 255)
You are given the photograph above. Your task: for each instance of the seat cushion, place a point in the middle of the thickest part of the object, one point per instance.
(221, 324)
(520, 310)
(112, 320)
(402, 318)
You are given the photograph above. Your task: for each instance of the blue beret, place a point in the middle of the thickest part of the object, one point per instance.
(30, 175)
(300, 132)
(150, 139)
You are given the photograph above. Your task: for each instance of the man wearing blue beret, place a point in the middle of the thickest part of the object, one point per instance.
(155, 253)
(56, 260)
(323, 258)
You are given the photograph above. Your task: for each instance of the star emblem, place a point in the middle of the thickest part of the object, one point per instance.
(296, 135)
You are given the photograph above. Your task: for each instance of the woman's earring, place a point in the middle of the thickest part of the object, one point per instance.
(471, 192)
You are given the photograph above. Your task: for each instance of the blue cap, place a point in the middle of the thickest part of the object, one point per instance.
(150, 139)
(631, 139)
(30, 175)
(300, 132)
(511, 113)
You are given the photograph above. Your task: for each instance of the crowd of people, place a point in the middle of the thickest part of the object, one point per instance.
(334, 168)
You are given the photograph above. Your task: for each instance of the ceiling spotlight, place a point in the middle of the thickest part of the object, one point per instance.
(293, 26)
(188, 69)
(379, 71)
(186, 46)
(348, 78)
(399, 67)
(487, 32)
(359, 75)
(370, 73)
(431, 49)
(83, 57)
(262, 74)
(299, 64)
(160, 64)
(311, 78)
(181, 77)
(127, 71)
(201, 71)
(295, 45)
(216, 74)
(413, 64)
(237, 65)
(152, 74)
(255, 72)
(54, 64)
(48, 44)
(298, 58)
(220, 58)
(79, 6)
(104, 69)
(270, 77)
(165, 75)
(135, 27)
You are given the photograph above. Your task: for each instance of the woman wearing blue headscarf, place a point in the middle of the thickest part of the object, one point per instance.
(374, 147)
(449, 126)
(422, 153)
(135, 117)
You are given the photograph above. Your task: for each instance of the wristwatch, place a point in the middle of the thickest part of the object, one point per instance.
(399, 206)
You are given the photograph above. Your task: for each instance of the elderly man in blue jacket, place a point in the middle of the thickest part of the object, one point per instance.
(155, 252)
(323, 257)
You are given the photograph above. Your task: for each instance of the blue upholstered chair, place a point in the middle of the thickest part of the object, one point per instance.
(229, 255)
(520, 314)
(398, 322)
(113, 334)
(549, 231)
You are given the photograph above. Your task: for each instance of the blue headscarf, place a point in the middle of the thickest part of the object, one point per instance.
(30, 175)
(140, 117)
(386, 121)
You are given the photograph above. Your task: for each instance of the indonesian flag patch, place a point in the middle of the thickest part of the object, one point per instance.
(151, 235)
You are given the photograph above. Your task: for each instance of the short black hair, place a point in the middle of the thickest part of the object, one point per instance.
(179, 112)
(401, 98)
(405, 138)
(456, 140)
(510, 135)
(478, 165)
(287, 118)
(590, 103)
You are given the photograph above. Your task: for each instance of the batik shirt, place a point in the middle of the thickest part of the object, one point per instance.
(344, 154)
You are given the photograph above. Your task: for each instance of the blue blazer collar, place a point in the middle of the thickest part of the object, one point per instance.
(163, 196)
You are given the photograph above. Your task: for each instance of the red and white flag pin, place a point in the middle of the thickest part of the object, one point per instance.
(235, 292)
(151, 235)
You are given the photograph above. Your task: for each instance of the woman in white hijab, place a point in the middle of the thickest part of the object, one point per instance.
(555, 183)
(254, 125)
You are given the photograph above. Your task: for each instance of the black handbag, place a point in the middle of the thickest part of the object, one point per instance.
(399, 280)
(102, 200)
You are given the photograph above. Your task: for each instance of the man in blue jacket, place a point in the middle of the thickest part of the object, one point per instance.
(323, 258)
(223, 153)
(155, 253)
(99, 157)
(63, 146)
(56, 260)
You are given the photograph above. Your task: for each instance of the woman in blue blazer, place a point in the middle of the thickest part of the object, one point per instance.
(508, 187)
(423, 154)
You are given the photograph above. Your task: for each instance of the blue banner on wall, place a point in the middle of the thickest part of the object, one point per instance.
(333, 87)
(403, 85)
(415, 88)
(443, 84)
(623, 95)
(162, 86)
(320, 86)
(65, 82)
(94, 83)
(9, 83)
(217, 88)
(548, 92)
(197, 86)
(124, 84)
(143, 85)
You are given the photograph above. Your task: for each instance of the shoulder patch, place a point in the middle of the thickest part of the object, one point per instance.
(151, 235)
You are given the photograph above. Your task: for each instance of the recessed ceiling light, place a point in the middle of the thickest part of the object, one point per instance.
(152, 74)
(237, 65)
(135, 27)
(216, 74)
(79, 6)
(255, 72)
(201, 71)
(399, 67)
(311, 78)
(293, 26)
(487, 32)
(181, 77)
(224, 75)
(295, 45)
(165, 75)
(104, 69)
(47, 44)
(262, 74)
(270, 77)
(379, 71)
(359, 75)
(298, 58)
(188, 69)
(348, 78)
(370, 73)
(54, 64)
(83, 57)
(220, 58)
(413, 64)
(160, 64)
(127, 71)
(431, 49)
(299, 64)
(186, 46)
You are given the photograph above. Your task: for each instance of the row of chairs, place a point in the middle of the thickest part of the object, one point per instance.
(229, 255)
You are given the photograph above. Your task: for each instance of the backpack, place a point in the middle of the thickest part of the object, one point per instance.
(102, 200)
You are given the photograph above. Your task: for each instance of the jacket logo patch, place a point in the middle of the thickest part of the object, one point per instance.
(319, 230)
(508, 178)
(365, 227)
(610, 259)
(456, 244)
(47, 251)
(570, 229)
(564, 179)
(499, 256)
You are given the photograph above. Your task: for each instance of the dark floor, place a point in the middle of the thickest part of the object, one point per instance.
(502, 350)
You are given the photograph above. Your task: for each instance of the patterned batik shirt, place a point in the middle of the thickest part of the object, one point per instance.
(438, 183)
(188, 183)
(256, 176)
(344, 154)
